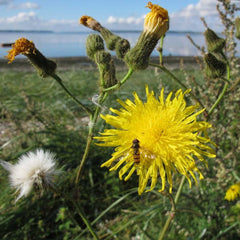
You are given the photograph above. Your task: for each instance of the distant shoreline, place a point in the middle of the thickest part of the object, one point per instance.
(80, 32)
(78, 63)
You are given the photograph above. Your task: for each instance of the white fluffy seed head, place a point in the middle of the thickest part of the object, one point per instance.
(38, 167)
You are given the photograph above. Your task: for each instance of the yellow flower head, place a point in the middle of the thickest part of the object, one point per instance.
(233, 192)
(21, 46)
(90, 22)
(156, 138)
(157, 21)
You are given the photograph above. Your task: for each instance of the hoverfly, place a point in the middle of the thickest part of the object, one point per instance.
(136, 153)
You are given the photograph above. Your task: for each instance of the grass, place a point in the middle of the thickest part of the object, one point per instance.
(36, 112)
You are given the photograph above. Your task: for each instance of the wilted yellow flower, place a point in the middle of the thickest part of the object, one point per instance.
(90, 22)
(44, 66)
(233, 192)
(156, 138)
(157, 21)
(21, 46)
(156, 25)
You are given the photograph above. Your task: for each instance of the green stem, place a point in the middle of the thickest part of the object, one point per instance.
(82, 215)
(67, 200)
(223, 91)
(93, 121)
(60, 82)
(119, 84)
(172, 212)
(164, 69)
(218, 100)
(161, 50)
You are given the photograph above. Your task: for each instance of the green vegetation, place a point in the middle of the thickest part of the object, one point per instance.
(36, 112)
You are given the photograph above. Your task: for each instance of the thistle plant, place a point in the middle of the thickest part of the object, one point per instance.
(157, 141)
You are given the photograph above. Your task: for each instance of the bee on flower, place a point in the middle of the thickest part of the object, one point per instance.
(34, 169)
(155, 138)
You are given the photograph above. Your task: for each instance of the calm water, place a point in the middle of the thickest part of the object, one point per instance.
(73, 44)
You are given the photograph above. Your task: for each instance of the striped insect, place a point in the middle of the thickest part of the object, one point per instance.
(136, 153)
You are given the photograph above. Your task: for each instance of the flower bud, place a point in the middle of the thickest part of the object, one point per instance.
(44, 66)
(115, 42)
(122, 47)
(237, 24)
(90, 22)
(94, 43)
(214, 68)
(109, 38)
(214, 42)
(156, 25)
(106, 67)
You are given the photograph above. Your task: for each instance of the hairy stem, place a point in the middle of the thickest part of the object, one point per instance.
(93, 121)
(164, 69)
(60, 82)
(119, 84)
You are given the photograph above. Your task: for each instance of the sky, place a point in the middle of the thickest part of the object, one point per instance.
(56, 15)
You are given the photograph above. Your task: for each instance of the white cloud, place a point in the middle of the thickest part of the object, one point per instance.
(187, 19)
(31, 21)
(125, 23)
(202, 9)
(26, 5)
(20, 18)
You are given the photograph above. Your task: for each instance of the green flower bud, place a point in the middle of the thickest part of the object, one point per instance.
(109, 38)
(94, 43)
(214, 42)
(138, 57)
(122, 47)
(214, 68)
(237, 24)
(107, 68)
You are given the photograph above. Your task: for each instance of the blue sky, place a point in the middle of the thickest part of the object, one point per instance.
(122, 15)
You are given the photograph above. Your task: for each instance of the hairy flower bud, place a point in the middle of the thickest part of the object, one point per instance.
(106, 67)
(109, 38)
(94, 43)
(156, 25)
(122, 47)
(237, 25)
(44, 66)
(214, 68)
(113, 41)
(214, 42)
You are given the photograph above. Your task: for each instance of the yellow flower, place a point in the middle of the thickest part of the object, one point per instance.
(156, 138)
(21, 46)
(157, 21)
(233, 192)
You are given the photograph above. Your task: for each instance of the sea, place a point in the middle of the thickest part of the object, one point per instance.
(72, 44)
